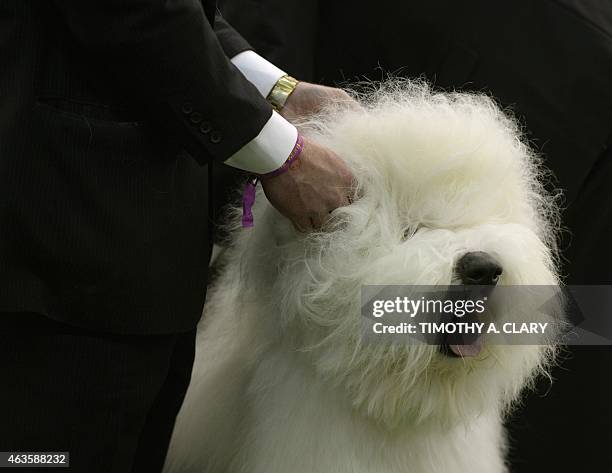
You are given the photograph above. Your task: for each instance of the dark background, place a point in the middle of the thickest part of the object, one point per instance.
(550, 63)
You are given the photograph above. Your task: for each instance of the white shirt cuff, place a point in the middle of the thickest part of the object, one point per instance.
(261, 73)
(267, 151)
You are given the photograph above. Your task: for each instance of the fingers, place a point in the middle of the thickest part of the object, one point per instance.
(306, 224)
(341, 199)
(317, 221)
(301, 226)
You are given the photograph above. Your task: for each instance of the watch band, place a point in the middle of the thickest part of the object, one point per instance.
(281, 92)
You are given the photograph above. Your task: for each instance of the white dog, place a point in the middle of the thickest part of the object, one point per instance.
(283, 382)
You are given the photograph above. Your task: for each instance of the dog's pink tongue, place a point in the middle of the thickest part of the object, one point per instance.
(473, 349)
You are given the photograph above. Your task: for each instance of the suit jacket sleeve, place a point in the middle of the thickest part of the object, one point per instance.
(280, 32)
(231, 41)
(167, 56)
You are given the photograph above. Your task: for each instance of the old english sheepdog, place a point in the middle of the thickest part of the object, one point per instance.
(446, 190)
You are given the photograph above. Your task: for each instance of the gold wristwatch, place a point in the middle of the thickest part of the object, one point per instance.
(281, 92)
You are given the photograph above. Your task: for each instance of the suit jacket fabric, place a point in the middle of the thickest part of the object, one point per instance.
(111, 112)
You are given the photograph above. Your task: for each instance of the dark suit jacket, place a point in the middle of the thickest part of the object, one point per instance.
(110, 114)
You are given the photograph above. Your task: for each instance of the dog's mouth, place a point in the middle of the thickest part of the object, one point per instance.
(462, 345)
(465, 350)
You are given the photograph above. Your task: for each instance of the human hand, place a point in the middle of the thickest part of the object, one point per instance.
(308, 98)
(315, 184)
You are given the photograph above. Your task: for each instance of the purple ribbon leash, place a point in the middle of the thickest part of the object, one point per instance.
(248, 200)
(248, 194)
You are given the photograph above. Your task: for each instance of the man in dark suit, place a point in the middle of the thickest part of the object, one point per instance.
(111, 113)
(551, 62)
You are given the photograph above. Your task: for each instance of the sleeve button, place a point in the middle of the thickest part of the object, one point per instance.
(205, 127)
(195, 118)
(187, 108)
(215, 137)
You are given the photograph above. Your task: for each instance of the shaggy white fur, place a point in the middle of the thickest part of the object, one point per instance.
(283, 382)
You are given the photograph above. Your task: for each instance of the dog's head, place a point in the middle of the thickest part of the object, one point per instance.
(446, 192)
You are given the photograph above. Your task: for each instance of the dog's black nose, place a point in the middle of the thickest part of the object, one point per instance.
(478, 267)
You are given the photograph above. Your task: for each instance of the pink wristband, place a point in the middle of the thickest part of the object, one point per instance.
(248, 195)
(297, 150)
